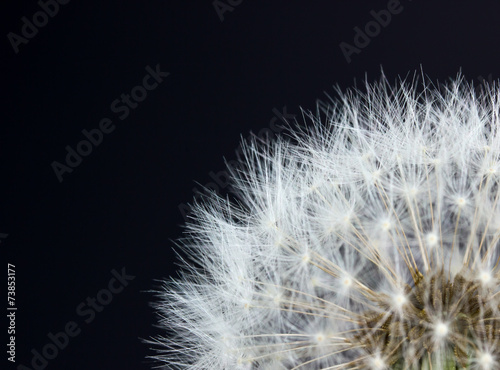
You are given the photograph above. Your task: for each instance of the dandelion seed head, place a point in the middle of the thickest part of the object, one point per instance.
(366, 238)
(485, 361)
(347, 282)
(485, 277)
(399, 300)
(319, 338)
(386, 225)
(378, 364)
(432, 239)
(461, 201)
(441, 329)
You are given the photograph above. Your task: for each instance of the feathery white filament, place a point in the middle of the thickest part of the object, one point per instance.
(367, 240)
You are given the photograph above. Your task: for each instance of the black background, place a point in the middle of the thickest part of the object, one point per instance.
(120, 207)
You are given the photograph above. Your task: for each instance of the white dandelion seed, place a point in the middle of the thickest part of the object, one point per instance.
(369, 240)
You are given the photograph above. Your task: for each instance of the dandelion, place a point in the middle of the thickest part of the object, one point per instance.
(367, 239)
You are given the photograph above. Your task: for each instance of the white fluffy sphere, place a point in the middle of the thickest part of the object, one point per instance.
(367, 239)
